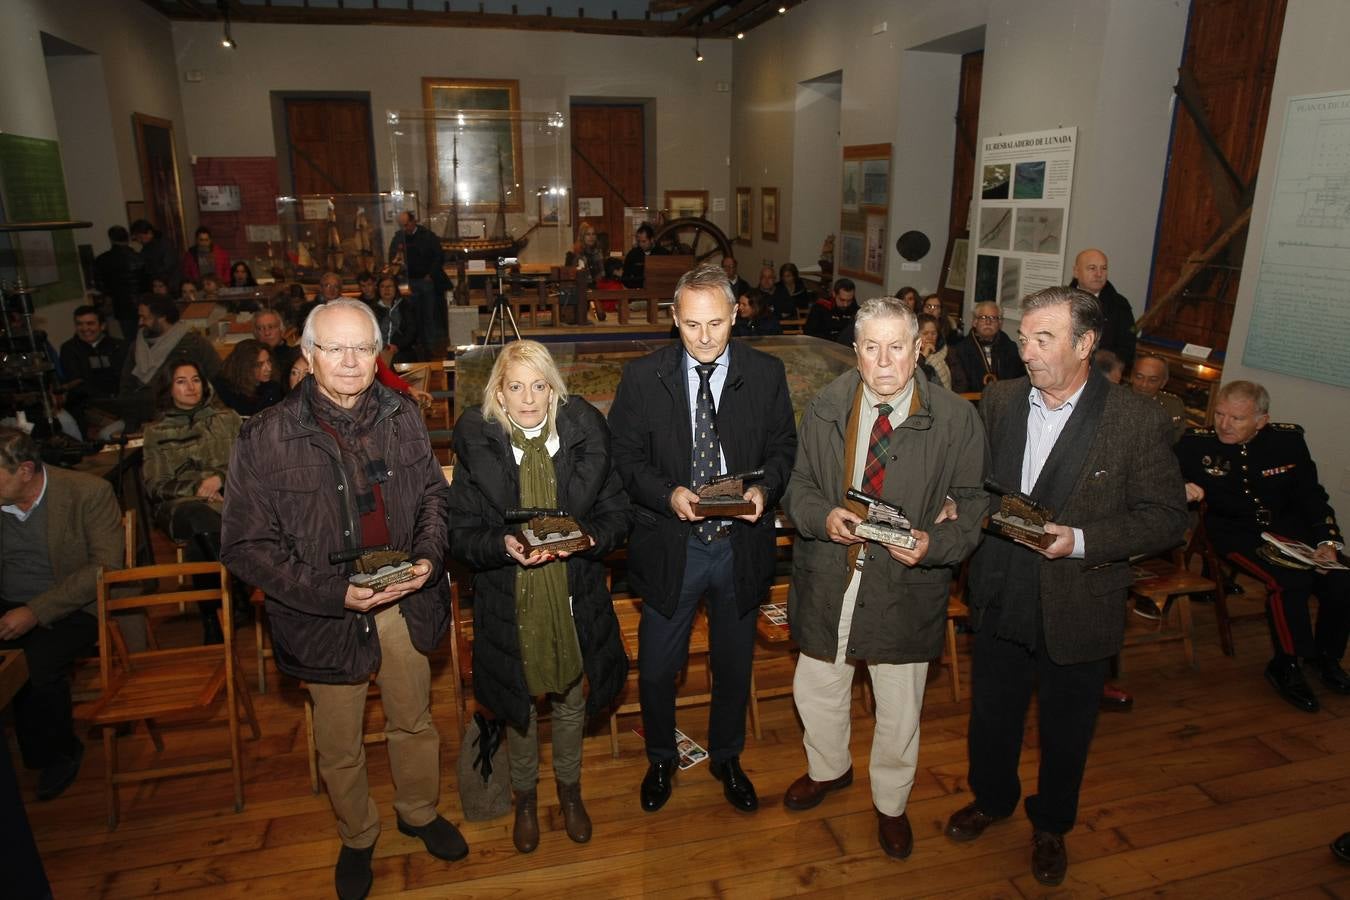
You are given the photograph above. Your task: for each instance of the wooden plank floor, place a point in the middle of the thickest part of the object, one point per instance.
(1211, 787)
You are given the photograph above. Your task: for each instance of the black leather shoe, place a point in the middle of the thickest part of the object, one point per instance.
(1049, 859)
(1286, 677)
(656, 784)
(736, 785)
(1341, 847)
(969, 822)
(353, 875)
(1331, 673)
(54, 779)
(442, 839)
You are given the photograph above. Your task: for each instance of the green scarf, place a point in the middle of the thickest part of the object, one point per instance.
(548, 637)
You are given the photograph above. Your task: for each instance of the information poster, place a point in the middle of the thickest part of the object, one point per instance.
(1026, 181)
(1302, 307)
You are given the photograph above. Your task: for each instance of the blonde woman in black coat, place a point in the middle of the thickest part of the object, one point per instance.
(541, 620)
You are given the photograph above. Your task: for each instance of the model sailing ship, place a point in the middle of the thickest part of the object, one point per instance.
(499, 243)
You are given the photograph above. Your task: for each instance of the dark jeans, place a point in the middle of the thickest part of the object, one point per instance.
(1288, 591)
(663, 648)
(1004, 676)
(42, 717)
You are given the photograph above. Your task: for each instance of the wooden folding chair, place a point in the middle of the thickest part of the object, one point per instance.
(158, 684)
(1222, 572)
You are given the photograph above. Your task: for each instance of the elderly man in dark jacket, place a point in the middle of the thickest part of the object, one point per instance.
(344, 463)
(1049, 618)
(888, 431)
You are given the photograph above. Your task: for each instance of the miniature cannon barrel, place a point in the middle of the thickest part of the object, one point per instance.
(524, 515)
(338, 557)
(752, 475)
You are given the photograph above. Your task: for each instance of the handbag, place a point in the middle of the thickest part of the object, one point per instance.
(484, 778)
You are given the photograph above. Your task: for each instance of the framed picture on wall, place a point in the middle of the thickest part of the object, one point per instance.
(768, 213)
(744, 229)
(553, 208)
(159, 175)
(687, 204)
(480, 153)
(864, 210)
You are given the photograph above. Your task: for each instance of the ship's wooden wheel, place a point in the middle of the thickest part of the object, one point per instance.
(694, 237)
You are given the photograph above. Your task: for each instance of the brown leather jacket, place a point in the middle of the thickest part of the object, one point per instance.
(287, 509)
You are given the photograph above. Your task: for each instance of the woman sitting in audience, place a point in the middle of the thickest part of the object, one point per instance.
(753, 318)
(541, 618)
(244, 382)
(187, 452)
(242, 276)
(586, 254)
(932, 352)
(400, 325)
(790, 297)
(910, 297)
(299, 369)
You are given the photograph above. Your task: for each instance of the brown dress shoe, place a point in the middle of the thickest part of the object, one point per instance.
(525, 834)
(969, 822)
(806, 792)
(1049, 860)
(894, 835)
(575, 820)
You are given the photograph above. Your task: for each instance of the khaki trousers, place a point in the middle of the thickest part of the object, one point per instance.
(414, 745)
(569, 723)
(823, 692)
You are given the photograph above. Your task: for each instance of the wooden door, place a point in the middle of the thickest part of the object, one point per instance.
(609, 162)
(330, 146)
(963, 171)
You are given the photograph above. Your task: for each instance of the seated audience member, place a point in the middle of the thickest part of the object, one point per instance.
(1148, 377)
(612, 280)
(246, 382)
(161, 337)
(402, 323)
(119, 274)
(753, 316)
(241, 275)
(766, 282)
(299, 369)
(910, 297)
(1257, 476)
(635, 263)
(210, 291)
(829, 317)
(269, 329)
(369, 294)
(205, 258)
(92, 362)
(790, 296)
(57, 529)
(187, 453)
(544, 621)
(988, 355)
(949, 330)
(738, 284)
(932, 353)
(1109, 365)
(188, 293)
(586, 254)
(159, 287)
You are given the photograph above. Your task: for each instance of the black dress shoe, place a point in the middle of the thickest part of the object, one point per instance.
(1049, 859)
(54, 779)
(353, 875)
(969, 822)
(1332, 675)
(736, 785)
(656, 784)
(1341, 847)
(442, 839)
(1286, 677)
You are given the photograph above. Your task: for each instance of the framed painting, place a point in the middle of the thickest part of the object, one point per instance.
(744, 229)
(687, 204)
(768, 213)
(481, 152)
(160, 185)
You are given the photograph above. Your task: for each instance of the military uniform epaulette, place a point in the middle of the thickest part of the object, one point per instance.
(1286, 426)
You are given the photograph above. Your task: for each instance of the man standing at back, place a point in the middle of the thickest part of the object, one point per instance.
(1118, 333)
(682, 415)
(1099, 458)
(424, 264)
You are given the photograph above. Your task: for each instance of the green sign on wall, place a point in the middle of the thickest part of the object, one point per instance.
(33, 188)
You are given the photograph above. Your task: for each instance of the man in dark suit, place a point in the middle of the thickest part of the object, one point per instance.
(1099, 457)
(682, 414)
(988, 355)
(1118, 329)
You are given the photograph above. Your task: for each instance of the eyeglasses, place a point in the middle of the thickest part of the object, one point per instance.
(336, 352)
(987, 318)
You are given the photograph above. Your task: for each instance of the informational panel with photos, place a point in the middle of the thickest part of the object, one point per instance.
(1301, 313)
(1026, 181)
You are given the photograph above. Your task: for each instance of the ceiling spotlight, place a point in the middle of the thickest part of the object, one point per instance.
(782, 10)
(740, 35)
(698, 54)
(227, 39)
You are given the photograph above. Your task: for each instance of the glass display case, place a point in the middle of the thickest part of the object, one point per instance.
(347, 233)
(493, 184)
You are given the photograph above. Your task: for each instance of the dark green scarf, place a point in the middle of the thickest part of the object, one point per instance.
(548, 637)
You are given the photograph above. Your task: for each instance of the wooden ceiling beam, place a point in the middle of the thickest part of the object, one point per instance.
(693, 16)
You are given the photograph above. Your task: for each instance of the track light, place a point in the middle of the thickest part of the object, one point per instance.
(740, 35)
(226, 39)
(782, 10)
(698, 54)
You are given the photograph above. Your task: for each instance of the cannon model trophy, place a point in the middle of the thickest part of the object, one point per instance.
(1019, 518)
(549, 530)
(724, 496)
(886, 523)
(376, 567)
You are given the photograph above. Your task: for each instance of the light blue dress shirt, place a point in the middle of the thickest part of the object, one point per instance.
(1044, 426)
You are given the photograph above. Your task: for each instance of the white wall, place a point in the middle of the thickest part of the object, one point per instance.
(815, 150)
(229, 111)
(1312, 59)
(88, 152)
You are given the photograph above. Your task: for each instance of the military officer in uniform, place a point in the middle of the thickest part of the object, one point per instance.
(1148, 377)
(1257, 476)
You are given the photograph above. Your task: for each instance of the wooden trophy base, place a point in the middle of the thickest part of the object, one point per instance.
(384, 576)
(884, 534)
(1015, 529)
(715, 509)
(554, 543)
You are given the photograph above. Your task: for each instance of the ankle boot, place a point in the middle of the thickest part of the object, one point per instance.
(577, 823)
(525, 835)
